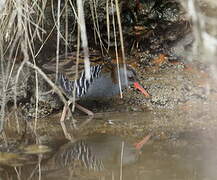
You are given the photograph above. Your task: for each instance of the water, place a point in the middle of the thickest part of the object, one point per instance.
(174, 151)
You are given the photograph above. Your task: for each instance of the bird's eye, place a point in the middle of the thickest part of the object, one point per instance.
(130, 78)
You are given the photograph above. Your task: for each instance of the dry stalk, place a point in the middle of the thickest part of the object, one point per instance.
(108, 23)
(122, 156)
(121, 37)
(81, 23)
(116, 49)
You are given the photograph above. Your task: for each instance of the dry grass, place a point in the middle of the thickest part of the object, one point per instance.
(20, 26)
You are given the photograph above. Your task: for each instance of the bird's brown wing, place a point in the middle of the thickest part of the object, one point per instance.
(67, 64)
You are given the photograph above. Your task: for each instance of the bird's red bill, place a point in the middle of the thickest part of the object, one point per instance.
(140, 88)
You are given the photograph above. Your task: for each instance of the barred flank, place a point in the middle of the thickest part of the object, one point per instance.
(81, 84)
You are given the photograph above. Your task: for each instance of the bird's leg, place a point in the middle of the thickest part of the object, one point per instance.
(62, 121)
(86, 121)
(81, 108)
(85, 110)
(65, 110)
